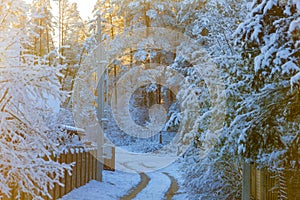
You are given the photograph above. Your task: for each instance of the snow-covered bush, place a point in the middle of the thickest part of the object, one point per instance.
(213, 177)
(61, 130)
(24, 143)
(29, 94)
(174, 115)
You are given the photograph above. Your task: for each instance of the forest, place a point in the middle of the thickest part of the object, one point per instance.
(225, 72)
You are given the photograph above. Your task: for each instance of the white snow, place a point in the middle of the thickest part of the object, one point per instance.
(295, 25)
(289, 67)
(297, 3)
(114, 185)
(152, 14)
(295, 80)
(176, 170)
(117, 184)
(142, 162)
(269, 5)
(157, 187)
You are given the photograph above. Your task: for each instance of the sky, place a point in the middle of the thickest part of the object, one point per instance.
(85, 7)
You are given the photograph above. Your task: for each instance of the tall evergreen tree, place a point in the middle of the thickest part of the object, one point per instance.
(41, 17)
(268, 118)
(73, 33)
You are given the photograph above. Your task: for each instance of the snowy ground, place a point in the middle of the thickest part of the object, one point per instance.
(114, 186)
(160, 172)
(176, 171)
(160, 183)
(117, 184)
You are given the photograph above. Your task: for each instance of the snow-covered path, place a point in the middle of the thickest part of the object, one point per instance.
(142, 162)
(162, 184)
(173, 189)
(156, 188)
(138, 188)
(114, 186)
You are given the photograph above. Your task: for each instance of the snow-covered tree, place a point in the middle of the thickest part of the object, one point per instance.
(127, 16)
(112, 23)
(267, 120)
(73, 34)
(29, 91)
(145, 13)
(41, 18)
(211, 24)
(212, 27)
(261, 73)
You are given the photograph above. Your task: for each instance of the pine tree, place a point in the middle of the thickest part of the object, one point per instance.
(210, 174)
(112, 24)
(268, 117)
(73, 34)
(41, 17)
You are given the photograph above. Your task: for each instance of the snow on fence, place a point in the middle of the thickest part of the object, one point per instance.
(84, 170)
(263, 184)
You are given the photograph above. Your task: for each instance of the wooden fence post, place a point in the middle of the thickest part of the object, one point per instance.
(56, 185)
(52, 191)
(63, 179)
(90, 165)
(83, 160)
(246, 181)
(74, 171)
(87, 165)
(83, 172)
(99, 166)
(94, 164)
(68, 185)
(78, 167)
(253, 181)
(5, 197)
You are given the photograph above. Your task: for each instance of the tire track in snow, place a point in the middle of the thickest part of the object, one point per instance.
(173, 187)
(156, 188)
(137, 189)
(156, 185)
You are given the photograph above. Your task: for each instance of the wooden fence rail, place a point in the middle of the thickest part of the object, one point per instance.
(84, 170)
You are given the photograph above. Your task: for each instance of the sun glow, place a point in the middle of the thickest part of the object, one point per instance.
(85, 7)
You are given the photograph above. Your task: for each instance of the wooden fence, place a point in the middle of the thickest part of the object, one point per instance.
(263, 184)
(84, 170)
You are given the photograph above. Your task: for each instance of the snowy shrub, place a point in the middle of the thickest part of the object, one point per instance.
(24, 142)
(213, 177)
(29, 94)
(174, 115)
(144, 146)
(59, 124)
